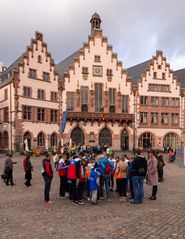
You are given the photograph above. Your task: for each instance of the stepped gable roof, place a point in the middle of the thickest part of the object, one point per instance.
(63, 66)
(136, 71)
(180, 74)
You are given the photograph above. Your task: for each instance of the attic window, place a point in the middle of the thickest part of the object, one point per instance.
(109, 72)
(39, 59)
(155, 75)
(97, 58)
(84, 70)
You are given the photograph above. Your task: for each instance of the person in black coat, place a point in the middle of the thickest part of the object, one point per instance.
(9, 169)
(28, 169)
(139, 172)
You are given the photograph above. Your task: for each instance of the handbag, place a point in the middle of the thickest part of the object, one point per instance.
(119, 175)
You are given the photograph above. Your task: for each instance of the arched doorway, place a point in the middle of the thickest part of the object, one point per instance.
(5, 139)
(77, 136)
(27, 135)
(41, 140)
(53, 140)
(124, 140)
(1, 140)
(171, 140)
(105, 137)
(146, 141)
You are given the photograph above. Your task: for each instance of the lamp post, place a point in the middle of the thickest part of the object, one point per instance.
(134, 124)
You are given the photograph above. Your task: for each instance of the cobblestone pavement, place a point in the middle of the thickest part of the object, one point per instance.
(23, 215)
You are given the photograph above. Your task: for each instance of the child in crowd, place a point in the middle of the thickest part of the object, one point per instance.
(94, 184)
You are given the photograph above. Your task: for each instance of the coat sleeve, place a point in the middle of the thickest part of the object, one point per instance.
(48, 171)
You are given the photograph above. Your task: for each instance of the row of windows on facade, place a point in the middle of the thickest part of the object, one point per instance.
(27, 113)
(40, 139)
(98, 99)
(154, 118)
(41, 94)
(85, 70)
(159, 87)
(32, 73)
(163, 101)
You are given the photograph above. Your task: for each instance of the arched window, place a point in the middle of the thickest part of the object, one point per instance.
(53, 140)
(77, 136)
(146, 141)
(39, 59)
(1, 140)
(5, 139)
(171, 140)
(84, 108)
(124, 140)
(41, 140)
(27, 140)
(112, 109)
(105, 137)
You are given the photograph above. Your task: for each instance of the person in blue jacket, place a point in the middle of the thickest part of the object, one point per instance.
(107, 167)
(94, 183)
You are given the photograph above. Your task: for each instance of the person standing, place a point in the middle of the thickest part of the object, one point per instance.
(94, 183)
(62, 173)
(139, 173)
(9, 169)
(107, 167)
(161, 165)
(47, 173)
(121, 177)
(152, 173)
(28, 169)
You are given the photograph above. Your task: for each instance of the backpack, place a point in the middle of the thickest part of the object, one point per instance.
(107, 168)
(43, 170)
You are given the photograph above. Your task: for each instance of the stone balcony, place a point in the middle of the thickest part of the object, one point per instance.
(121, 118)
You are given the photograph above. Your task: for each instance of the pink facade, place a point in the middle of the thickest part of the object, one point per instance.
(29, 94)
(142, 106)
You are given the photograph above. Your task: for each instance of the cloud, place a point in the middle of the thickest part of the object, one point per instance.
(135, 28)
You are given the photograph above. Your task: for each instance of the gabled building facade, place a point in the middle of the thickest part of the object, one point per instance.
(98, 94)
(142, 106)
(158, 104)
(29, 100)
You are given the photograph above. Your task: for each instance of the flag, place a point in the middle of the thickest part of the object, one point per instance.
(102, 113)
(63, 122)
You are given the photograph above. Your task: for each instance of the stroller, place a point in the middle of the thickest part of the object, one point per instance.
(172, 156)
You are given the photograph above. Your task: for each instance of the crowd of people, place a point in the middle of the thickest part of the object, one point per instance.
(92, 173)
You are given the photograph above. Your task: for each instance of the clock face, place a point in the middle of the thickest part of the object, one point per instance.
(97, 71)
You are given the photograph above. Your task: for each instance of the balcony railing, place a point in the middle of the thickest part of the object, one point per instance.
(113, 117)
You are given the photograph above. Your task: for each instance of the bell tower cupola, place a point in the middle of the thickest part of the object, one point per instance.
(95, 22)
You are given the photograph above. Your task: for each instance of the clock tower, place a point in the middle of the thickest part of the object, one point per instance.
(95, 22)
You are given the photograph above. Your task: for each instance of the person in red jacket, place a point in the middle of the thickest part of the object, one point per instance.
(62, 173)
(47, 173)
(28, 169)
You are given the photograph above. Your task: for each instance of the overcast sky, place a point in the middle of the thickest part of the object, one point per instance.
(135, 28)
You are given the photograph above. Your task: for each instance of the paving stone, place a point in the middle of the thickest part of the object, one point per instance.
(23, 215)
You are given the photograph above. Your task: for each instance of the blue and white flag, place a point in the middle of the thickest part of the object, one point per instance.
(63, 122)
